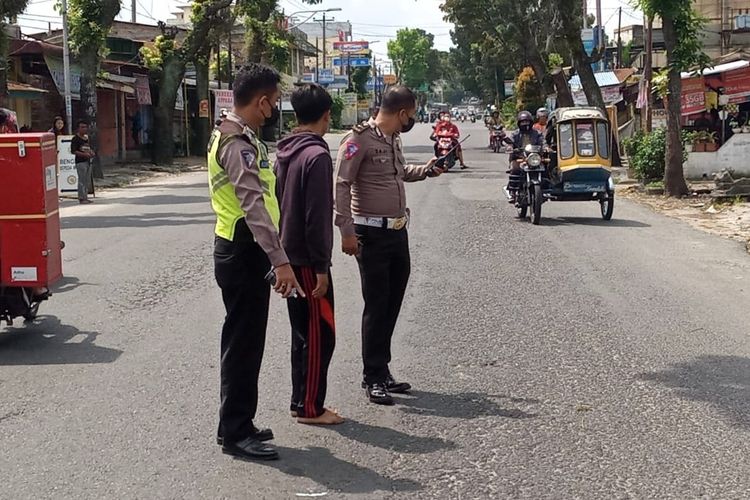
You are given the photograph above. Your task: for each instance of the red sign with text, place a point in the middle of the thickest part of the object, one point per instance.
(693, 98)
(737, 85)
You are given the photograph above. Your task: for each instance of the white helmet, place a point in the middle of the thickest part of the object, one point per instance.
(542, 112)
(493, 108)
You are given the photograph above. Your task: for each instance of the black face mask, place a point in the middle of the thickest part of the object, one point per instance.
(274, 118)
(409, 125)
(524, 127)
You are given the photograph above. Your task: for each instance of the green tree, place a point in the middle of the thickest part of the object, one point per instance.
(529, 92)
(89, 23)
(220, 66)
(681, 26)
(359, 77)
(412, 54)
(9, 9)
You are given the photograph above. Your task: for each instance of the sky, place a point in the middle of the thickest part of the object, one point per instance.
(372, 20)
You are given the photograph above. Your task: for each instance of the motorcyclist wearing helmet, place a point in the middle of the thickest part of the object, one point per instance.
(446, 127)
(493, 121)
(542, 115)
(524, 136)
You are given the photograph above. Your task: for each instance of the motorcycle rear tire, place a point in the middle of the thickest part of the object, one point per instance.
(536, 215)
(608, 206)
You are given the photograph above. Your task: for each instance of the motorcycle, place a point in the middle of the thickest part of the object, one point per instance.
(497, 136)
(473, 118)
(446, 147)
(525, 190)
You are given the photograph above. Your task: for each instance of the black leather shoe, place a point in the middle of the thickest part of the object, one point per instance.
(396, 387)
(259, 434)
(250, 449)
(378, 394)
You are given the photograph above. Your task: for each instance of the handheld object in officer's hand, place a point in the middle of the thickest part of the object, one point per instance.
(441, 160)
(271, 279)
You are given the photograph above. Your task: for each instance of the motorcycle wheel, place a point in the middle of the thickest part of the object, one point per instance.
(608, 206)
(536, 216)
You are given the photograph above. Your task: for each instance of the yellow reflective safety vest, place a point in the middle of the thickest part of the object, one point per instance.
(224, 200)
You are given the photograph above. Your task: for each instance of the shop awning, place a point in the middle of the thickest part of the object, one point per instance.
(719, 68)
(24, 91)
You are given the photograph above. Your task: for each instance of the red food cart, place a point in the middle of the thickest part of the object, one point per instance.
(30, 245)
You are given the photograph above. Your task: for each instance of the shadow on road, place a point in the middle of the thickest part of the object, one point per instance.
(390, 439)
(146, 220)
(321, 466)
(591, 221)
(68, 283)
(157, 199)
(466, 405)
(47, 341)
(721, 381)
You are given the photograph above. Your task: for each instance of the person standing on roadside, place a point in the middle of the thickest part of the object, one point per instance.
(371, 213)
(80, 147)
(242, 187)
(305, 190)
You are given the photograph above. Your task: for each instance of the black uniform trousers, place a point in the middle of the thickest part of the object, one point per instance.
(240, 270)
(313, 342)
(384, 267)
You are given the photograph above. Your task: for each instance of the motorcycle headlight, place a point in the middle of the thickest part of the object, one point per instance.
(534, 160)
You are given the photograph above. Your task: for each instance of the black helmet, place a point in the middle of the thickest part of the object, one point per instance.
(524, 121)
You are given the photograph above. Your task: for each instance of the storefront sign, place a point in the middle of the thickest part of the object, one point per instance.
(203, 109)
(610, 94)
(351, 46)
(354, 62)
(737, 85)
(308, 77)
(224, 99)
(390, 79)
(55, 67)
(349, 113)
(66, 165)
(325, 75)
(142, 90)
(693, 97)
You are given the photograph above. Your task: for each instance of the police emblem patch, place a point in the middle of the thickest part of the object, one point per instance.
(249, 157)
(351, 150)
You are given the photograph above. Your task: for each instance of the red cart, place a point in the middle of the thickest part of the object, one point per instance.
(30, 245)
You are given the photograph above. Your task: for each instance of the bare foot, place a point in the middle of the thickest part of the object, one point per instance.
(327, 418)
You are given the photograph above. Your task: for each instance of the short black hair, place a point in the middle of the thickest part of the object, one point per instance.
(310, 102)
(81, 122)
(253, 79)
(397, 98)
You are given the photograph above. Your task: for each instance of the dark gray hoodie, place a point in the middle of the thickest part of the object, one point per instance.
(304, 187)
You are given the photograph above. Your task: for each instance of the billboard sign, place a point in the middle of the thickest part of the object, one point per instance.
(354, 62)
(351, 46)
(325, 75)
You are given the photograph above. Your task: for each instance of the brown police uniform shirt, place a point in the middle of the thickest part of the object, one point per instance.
(370, 175)
(238, 158)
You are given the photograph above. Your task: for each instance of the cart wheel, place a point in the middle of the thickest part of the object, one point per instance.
(608, 206)
(536, 216)
(32, 312)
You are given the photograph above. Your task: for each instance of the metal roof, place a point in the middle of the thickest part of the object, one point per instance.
(719, 68)
(603, 79)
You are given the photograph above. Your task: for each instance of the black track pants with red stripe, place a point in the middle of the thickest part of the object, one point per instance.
(313, 342)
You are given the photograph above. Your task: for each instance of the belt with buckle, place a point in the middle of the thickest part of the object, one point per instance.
(396, 224)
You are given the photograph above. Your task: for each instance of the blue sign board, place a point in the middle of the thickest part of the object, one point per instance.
(354, 62)
(371, 84)
(325, 75)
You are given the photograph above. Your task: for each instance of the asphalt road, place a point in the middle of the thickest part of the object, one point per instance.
(576, 359)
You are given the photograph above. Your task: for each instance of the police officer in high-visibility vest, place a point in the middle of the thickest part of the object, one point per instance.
(247, 246)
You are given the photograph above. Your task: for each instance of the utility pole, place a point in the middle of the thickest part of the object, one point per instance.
(133, 11)
(600, 33)
(317, 62)
(324, 40)
(585, 13)
(648, 73)
(619, 39)
(66, 69)
(229, 52)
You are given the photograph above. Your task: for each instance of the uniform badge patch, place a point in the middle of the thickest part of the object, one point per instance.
(249, 157)
(351, 150)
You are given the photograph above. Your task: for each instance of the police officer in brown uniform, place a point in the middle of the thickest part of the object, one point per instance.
(371, 212)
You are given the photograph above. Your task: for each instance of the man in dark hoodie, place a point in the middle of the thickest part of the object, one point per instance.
(305, 191)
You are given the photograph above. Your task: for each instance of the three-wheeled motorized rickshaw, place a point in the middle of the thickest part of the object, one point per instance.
(575, 166)
(30, 245)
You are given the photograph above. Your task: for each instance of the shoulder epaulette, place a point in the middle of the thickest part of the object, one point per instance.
(361, 127)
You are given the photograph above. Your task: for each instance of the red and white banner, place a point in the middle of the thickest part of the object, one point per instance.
(737, 85)
(693, 98)
(223, 99)
(351, 46)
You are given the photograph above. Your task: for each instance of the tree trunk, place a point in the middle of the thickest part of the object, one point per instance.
(582, 64)
(674, 177)
(204, 124)
(169, 85)
(89, 69)
(564, 95)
